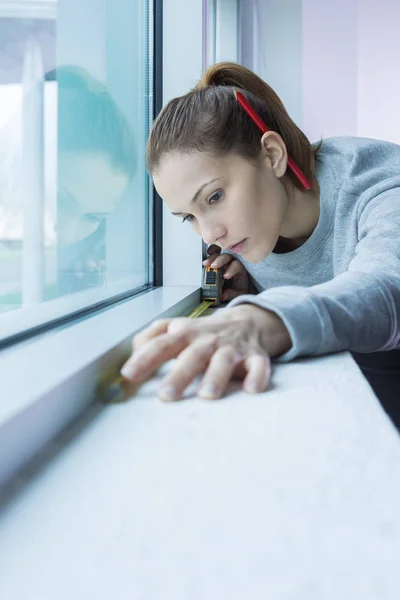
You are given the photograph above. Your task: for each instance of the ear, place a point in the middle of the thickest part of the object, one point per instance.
(273, 150)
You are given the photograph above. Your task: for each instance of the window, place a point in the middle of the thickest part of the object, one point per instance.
(76, 204)
(53, 379)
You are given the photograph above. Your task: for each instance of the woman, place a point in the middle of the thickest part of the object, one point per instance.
(325, 261)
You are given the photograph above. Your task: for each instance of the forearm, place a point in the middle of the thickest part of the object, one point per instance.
(354, 311)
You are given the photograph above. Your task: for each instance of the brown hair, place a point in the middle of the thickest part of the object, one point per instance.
(210, 119)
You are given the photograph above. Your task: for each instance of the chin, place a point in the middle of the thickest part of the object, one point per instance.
(254, 261)
(257, 256)
(251, 258)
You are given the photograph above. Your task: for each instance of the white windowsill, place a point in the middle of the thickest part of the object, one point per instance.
(48, 380)
(291, 493)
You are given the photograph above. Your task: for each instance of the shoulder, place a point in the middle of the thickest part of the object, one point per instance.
(361, 166)
(365, 150)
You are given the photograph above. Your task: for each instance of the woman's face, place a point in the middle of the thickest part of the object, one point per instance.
(226, 199)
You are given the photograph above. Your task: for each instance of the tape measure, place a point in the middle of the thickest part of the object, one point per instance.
(212, 284)
(113, 388)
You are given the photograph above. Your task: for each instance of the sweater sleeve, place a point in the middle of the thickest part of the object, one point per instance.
(358, 310)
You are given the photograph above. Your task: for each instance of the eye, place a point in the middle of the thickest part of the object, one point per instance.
(212, 200)
(187, 218)
(216, 197)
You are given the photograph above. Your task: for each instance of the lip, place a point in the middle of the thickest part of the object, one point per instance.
(236, 248)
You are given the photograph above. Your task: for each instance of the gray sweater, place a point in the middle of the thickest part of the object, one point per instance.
(341, 289)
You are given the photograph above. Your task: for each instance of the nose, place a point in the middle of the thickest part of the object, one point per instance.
(212, 232)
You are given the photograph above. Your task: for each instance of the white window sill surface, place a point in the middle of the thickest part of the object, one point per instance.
(293, 493)
(48, 380)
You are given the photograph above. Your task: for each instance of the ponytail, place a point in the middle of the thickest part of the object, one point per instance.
(209, 119)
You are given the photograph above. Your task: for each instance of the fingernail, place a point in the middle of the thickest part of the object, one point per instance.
(129, 370)
(168, 393)
(214, 265)
(208, 391)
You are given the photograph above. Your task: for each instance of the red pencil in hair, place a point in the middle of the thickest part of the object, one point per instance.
(255, 117)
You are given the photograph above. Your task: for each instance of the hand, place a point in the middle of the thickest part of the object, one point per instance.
(238, 342)
(232, 270)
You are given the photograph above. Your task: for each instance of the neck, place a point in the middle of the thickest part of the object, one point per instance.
(302, 214)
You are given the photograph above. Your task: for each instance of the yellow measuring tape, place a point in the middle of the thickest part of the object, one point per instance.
(113, 388)
(200, 309)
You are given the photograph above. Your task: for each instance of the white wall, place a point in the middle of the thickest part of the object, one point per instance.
(329, 68)
(334, 64)
(227, 30)
(277, 56)
(379, 69)
(351, 72)
(247, 34)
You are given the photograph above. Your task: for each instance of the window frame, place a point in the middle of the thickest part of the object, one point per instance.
(157, 217)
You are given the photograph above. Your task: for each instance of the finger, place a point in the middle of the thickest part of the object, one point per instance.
(192, 361)
(161, 326)
(152, 355)
(219, 373)
(221, 261)
(156, 328)
(218, 260)
(184, 325)
(210, 259)
(258, 373)
(235, 268)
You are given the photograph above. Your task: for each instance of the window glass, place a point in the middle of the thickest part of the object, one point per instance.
(75, 90)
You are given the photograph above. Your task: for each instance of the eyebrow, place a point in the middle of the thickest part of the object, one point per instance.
(197, 194)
